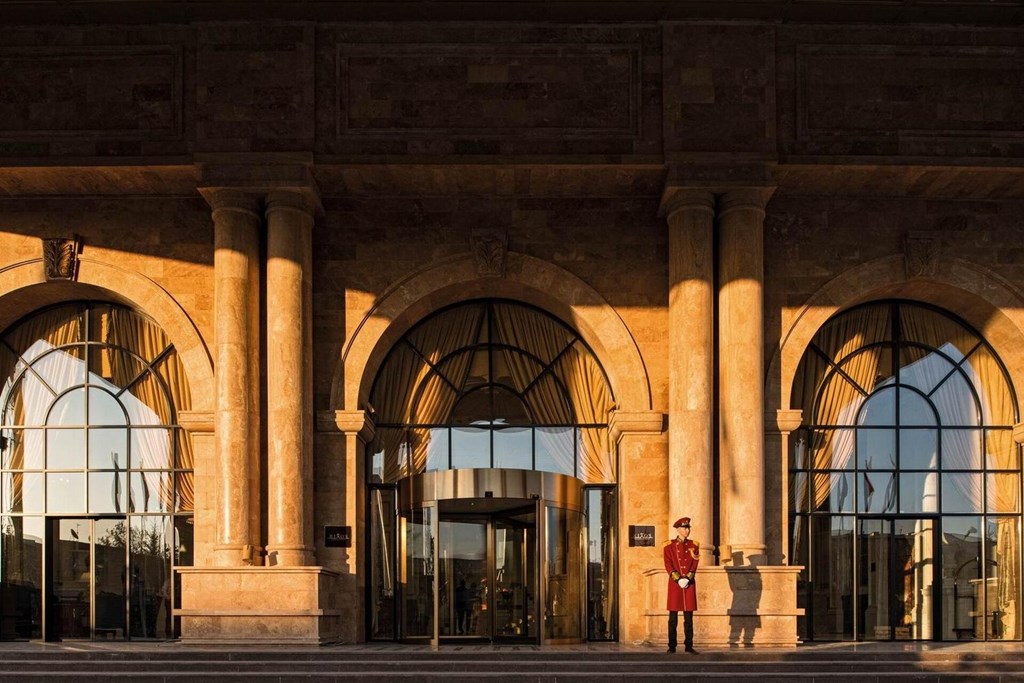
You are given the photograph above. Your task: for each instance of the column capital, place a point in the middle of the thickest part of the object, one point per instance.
(304, 201)
(262, 180)
(1018, 433)
(196, 421)
(747, 198)
(624, 422)
(231, 199)
(358, 422)
(677, 198)
(782, 421)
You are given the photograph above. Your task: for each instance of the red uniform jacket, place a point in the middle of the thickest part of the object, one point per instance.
(681, 558)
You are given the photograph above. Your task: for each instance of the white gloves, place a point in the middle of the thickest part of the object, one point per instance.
(683, 582)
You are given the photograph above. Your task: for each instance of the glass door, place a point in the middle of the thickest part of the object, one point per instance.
(87, 573)
(463, 578)
(896, 579)
(515, 575)
(416, 609)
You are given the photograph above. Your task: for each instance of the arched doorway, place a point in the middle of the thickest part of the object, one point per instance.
(96, 486)
(905, 483)
(491, 482)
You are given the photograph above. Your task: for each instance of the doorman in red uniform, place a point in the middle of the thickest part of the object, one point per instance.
(681, 558)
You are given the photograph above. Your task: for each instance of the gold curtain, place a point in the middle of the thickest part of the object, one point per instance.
(839, 400)
(407, 370)
(152, 406)
(30, 402)
(591, 402)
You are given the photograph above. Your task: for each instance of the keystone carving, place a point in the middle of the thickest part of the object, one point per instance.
(60, 257)
(489, 250)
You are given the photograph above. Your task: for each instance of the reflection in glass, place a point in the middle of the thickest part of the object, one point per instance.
(879, 410)
(922, 369)
(838, 494)
(832, 580)
(65, 449)
(146, 402)
(962, 591)
(106, 492)
(417, 574)
(382, 551)
(471, 447)
(1003, 492)
(1001, 453)
(22, 492)
(1002, 617)
(149, 492)
(915, 409)
(564, 573)
(70, 588)
(919, 449)
(108, 448)
(65, 492)
(435, 441)
(876, 492)
(555, 449)
(463, 557)
(876, 449)
(913, 550)
(104, 409)
(961, 449)
(151, 448)
(21, 577)
(111, 570)
(515, 541)
(832, 449)
(961, 492)
(60, 369)
(955, 403)
(150, 557)
(68, 410)
(919, 492)
(601, 544)
(513, 448)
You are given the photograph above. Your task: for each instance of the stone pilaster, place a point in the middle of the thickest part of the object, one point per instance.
(237, 222)
(691, 300)
(641, 448)
(289, 379)
(741, 374)
(779, 424)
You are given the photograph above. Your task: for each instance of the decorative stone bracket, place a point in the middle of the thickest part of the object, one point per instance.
(356, 422)
(624, 422)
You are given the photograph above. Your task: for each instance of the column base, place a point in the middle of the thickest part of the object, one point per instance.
(736, 607)
(235, 555)
(298, 605)
(289, 556)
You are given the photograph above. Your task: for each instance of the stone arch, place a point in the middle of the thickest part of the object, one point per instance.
(986, 301)
(24, 288)
(526, 279)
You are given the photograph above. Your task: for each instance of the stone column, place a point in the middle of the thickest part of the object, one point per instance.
(741, 373)
(289, 379)
(691, 301)
(236, 223)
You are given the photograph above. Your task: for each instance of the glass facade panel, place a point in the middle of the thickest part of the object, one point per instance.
(21, 577)
(919, 492)
(833, 449)
(961, 492)
(961, 577)
(602, 586)
(564, 573)
(961, 449)
(417, 574)
(513, 448)
(65, 449)
(1001, 616)
(471, 447)
(109, 572)
(108, 448)
(919, 449)
(876, 449)
(150, 557)
(923, 569)
(382, 551)
(554, 449)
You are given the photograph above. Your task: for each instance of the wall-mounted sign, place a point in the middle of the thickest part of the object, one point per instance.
(640, 535)
(338, 536)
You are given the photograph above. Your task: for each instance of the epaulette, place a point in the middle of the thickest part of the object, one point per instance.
(696, 543)
(668, 542)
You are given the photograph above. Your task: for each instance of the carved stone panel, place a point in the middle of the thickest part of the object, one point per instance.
(60, 257)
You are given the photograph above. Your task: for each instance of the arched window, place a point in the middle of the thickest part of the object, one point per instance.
(907, 435)
(89, 435)
(491, 383)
